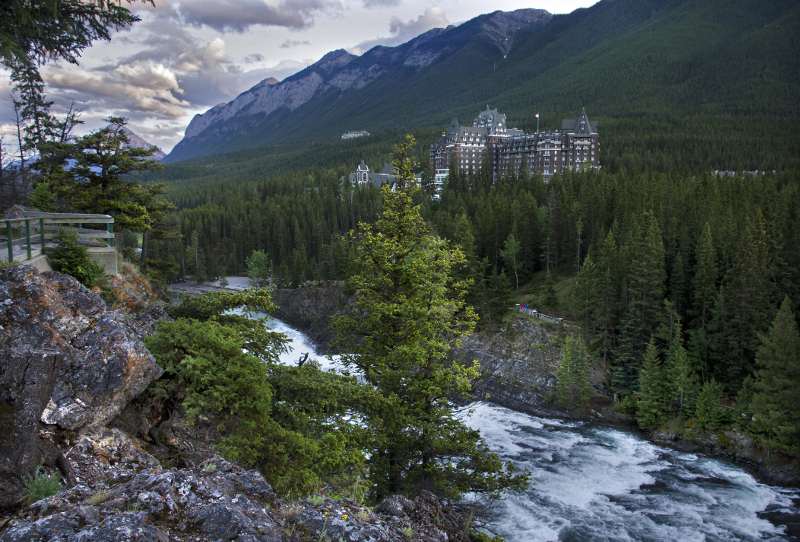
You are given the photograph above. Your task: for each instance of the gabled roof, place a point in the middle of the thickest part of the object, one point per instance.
(453, 126)
(362, 166)
(387, 169)
(580, 126)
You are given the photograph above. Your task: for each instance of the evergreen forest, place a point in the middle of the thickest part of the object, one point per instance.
(651, 264)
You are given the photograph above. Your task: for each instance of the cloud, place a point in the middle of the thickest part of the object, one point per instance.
(405, 31)
(432, 18)
(253, 57)
(380, 3)
(239, 15)
(194, 60)
(138, 86)
(294, 43)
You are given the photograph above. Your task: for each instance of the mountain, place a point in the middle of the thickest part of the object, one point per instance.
(140, 143)
(224, 127)
(655, 72)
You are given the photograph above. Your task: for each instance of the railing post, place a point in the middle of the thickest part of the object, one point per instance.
(10, 246)
(41, 232)
(111, 230)
(28, 236)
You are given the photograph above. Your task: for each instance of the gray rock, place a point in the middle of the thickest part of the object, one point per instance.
(124, 527)
(396, 505)
(64, 360)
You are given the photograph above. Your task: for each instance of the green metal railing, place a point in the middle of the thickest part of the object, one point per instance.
(44, 222)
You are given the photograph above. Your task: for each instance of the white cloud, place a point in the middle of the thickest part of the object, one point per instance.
(432, 18)
(405, 31)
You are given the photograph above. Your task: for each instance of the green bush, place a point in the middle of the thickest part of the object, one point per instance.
(40, 486)
(72, 258)
(293, 423)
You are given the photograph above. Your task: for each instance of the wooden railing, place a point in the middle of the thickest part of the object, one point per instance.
(36, 230)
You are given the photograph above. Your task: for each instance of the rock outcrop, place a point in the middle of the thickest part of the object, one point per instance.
(66, 362)
(123, 494)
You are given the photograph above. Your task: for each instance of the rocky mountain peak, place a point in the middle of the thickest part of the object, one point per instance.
(334, 59)
(141, 143)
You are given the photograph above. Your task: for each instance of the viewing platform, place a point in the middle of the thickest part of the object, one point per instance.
(23, 237)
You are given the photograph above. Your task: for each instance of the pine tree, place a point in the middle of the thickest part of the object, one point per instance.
(776, 402)
(650, 410)
(746, 310)
(708, 413)
(410, 315)
(704, 284)
(644, 312)
(573, 389)
(681, 377)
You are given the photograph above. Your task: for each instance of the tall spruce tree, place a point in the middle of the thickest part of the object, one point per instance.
(681, 377)
(607, 294)
(573, 389)
(651, 408)
(776, 402)
(704, 293)
(746, 310)
(410, 314)
(644, 312)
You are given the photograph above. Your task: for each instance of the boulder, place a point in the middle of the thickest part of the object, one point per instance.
(65, 360)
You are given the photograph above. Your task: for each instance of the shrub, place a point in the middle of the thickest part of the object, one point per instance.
(40, 486)
(72, 258)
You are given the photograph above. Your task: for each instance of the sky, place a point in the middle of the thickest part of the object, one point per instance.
(186, 56)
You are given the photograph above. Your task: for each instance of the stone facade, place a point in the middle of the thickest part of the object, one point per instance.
(576, 146)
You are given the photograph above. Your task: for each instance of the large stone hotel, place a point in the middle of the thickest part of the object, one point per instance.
(575, 146)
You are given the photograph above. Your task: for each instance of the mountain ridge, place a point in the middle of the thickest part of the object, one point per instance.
(333, 71)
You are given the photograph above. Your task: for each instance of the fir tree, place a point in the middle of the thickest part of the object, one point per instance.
(704, 294)
(681, 377)
(708, 413)
(650, 410)
(776, 402)
(573, 389)
(68, 256)
(645, 291)
(746, 310)
(410, 314)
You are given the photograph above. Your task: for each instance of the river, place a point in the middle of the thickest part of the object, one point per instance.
(594, 483)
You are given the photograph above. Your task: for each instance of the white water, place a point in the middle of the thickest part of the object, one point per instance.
(599, 484)
(596, 483)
